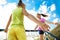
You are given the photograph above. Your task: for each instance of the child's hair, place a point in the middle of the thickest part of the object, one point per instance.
(42, 15)
(20, 3)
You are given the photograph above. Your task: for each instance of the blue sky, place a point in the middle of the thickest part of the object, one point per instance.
(49, 7)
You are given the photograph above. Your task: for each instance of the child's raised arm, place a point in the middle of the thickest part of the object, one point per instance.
(34, 19)
(51, 22)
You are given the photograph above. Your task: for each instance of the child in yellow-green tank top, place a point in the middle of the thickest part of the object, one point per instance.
(17, 27)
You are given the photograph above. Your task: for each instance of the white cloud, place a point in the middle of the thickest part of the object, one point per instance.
(5, 12)
(34, 8)
(56, 20)
(3, 2)
(1, 9)
(32, 11)
(9, 7)
(43, 9)
(54, 15)
(29, 24)
(44, 3)
(52, 7)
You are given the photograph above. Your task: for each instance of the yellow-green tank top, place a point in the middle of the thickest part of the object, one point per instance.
(17, 17)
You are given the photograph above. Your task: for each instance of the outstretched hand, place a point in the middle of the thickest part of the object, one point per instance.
(45, 27)
(55, 23)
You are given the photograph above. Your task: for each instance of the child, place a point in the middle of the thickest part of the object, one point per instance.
(17, 30)
(41, 32)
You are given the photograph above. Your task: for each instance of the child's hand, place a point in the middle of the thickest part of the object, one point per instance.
(6, 30)
(56, 23)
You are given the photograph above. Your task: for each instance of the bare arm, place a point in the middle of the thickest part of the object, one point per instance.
(33, 18)
(8, 24)
(49, 22)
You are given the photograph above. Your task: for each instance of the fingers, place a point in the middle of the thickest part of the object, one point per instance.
(46, 27)
(55, 23)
